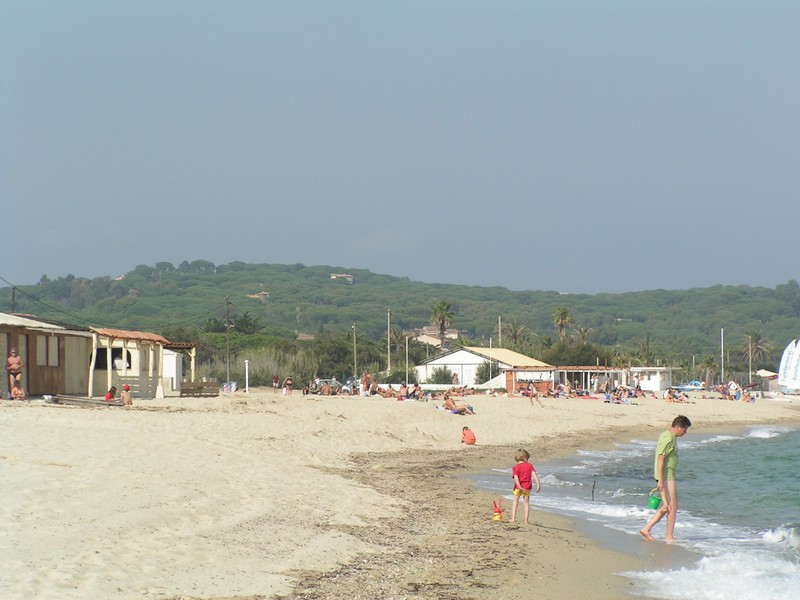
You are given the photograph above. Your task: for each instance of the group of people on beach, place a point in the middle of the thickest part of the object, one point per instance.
(15, 365)
(665, 467)
(125, 396)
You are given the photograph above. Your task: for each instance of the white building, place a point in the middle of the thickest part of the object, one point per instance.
(464, 362)
(652, 379)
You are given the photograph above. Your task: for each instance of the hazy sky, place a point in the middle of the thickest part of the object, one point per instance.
(579, 146)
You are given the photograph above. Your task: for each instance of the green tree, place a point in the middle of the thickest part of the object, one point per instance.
(709, 365)
(441, 375)
(562, 319)
(486, 371)
(582, 334)
(754, 347)
(515, 335)
(248, 324)
(213, 325)
(441, 316)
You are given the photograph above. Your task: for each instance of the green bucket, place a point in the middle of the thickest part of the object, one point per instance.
(655, 499)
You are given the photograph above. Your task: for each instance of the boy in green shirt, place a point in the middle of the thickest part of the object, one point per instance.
(666, 464)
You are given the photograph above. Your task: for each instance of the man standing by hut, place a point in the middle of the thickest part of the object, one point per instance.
(14, 366)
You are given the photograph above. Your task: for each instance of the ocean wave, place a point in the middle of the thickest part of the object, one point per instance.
(783, 536)
(728, 576)
(769, 431)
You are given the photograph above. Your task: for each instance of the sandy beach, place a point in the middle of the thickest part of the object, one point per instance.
(264, 496)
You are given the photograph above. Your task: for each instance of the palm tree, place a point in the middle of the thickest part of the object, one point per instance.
(709, 364)
(441, 316)
(515, 334)
(562, 318)
(620, 359)
(582, 334)
(754, 347)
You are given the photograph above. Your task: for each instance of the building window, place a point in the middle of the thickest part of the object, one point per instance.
(101, 363)
(46, 351)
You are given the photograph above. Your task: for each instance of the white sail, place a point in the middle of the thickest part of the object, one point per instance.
(786, 361)
(793, 372)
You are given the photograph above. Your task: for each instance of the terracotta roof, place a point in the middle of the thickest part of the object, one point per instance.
(122, 334)
(180, 345)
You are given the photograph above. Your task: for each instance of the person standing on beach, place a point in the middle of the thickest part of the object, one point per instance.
(14, 367)
(533, 394)
(524, 474)
(666, 465)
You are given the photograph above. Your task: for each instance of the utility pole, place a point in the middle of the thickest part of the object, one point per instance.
(490, 357)
(228, 337)
(749, 360)
(500, 330)
(355, 361)
(406, 361)
(388, 341)
(722, 355)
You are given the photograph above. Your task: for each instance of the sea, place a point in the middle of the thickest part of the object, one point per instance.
(738, 527)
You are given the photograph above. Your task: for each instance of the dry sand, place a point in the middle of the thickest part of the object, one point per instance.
(264, 496)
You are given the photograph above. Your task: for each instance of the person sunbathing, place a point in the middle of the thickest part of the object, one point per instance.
(456, 409)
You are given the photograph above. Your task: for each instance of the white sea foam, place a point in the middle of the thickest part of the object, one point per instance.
(783, 536)
(769, 431)
(728, 576)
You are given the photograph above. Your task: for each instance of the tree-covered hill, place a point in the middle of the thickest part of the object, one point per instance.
(672, 323)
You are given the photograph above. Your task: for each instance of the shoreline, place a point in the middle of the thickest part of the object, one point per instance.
(446, 545)
(264, 496)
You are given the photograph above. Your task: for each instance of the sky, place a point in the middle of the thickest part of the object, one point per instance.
(578, 146)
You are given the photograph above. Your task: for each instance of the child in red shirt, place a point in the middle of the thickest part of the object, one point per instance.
(467, 436)
(524, 474)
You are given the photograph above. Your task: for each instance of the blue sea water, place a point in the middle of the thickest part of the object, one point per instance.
(739, 498)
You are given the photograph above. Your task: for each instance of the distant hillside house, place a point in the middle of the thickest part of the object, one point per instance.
(346, 276)
(261, 296)
(512, 367)
(430, 335)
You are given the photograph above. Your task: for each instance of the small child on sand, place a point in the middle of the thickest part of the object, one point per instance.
(125, 396)
(467, 436)
(524, 474)
(17, 392)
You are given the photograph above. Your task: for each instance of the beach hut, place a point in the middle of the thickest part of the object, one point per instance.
(512, 367)
(120, 356)
(76, 361)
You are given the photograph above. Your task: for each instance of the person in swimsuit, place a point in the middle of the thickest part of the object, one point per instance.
(14, 367)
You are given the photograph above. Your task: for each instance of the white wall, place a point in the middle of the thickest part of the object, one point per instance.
(173, 369)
